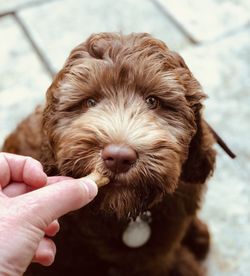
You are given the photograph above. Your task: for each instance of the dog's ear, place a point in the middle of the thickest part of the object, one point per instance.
(49, 120)
(48, 159)
(200, 162)
(201, 156)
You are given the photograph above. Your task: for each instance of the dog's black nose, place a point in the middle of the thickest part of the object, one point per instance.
(118, 158)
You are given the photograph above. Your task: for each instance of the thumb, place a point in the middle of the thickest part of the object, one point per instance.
(53, 201)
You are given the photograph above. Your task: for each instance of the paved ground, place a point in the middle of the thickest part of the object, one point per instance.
(214, 38)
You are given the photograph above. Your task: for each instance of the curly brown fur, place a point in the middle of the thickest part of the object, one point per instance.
(173, 145)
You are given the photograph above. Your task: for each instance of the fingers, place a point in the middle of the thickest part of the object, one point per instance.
(55, 179)
(46, 250)
(45, 253)
(53, 201)
(21, 169)
(4, 172)
(52, 229)
(33, 174)
(16, 189)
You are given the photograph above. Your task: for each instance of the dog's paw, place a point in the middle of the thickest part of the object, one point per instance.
(197, 239)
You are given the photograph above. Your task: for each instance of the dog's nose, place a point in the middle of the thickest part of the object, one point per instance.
(119, 158)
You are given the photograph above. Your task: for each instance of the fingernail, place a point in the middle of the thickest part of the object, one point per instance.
(91, 187)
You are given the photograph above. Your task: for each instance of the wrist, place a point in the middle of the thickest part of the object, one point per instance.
(18, 245)
(7, 269)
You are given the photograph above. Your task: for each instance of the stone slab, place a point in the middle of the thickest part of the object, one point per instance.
(74, 20)
(208, 19)
(23, 80)
(223, 70)
(14, 5)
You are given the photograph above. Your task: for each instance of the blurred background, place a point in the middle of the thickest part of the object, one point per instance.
(213, 36)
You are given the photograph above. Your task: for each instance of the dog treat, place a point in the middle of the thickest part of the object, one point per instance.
(99, 179)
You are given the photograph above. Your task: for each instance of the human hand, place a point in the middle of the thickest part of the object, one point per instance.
(27, 213)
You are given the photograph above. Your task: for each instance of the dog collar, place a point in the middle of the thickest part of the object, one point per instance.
(138, 231)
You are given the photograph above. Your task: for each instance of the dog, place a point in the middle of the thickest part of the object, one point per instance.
(129, 107)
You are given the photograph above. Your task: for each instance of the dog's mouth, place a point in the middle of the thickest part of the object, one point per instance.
(126, 199)
(115, 182)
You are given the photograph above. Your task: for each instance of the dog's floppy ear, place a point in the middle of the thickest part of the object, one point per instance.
(201, 156)
(200, 161)
(47, 159)
(49, 119)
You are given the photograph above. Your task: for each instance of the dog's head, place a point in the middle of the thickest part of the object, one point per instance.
(131, 108)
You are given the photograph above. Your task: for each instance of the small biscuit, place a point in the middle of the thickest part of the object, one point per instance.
(99, 179)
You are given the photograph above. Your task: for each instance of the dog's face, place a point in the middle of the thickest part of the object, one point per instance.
(126, 106)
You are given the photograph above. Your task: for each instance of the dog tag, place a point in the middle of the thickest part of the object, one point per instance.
(137, 233)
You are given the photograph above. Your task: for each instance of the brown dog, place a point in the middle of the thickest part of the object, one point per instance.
(131, 108)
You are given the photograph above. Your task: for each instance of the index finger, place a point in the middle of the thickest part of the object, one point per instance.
(53, 201)
(57, 178)
(24, 169)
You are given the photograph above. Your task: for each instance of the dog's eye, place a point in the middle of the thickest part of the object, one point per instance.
(90, 103)
(152, 102)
